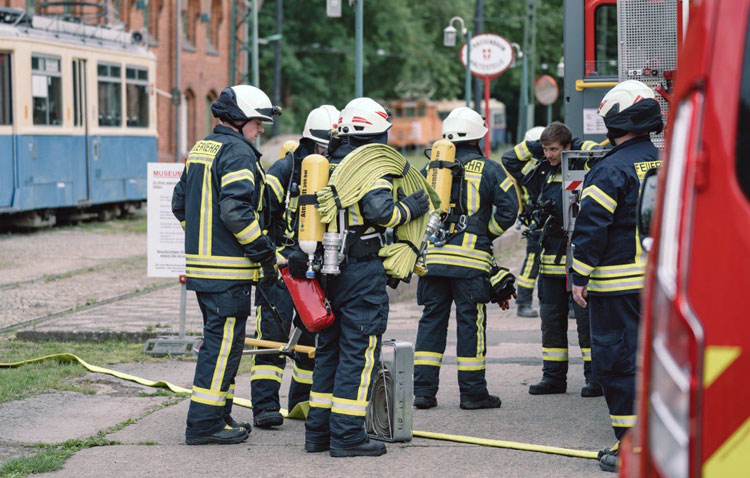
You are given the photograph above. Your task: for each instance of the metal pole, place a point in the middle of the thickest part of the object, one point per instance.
(277, 64)
(478, 28)
(531, 54)
(487, 116)
(177, 64)
(468, 68)
(256, 81)
(549, 114)
(359, 13)
(522, 102)
(183, 305)
(233, 45)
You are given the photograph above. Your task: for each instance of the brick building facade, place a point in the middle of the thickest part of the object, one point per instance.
(205, 53)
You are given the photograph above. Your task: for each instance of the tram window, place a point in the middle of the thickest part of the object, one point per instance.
(46, 90)
(110, 94)
(605, 46)
(6, 95)
(136, 95)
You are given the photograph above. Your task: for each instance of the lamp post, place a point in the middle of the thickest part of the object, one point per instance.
(522, 97)
(449, 39)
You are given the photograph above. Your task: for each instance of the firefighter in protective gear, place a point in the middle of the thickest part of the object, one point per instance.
(608, 261)
(484, 204)
(348, 352)
(283, 180)
(530, 268)
(219, 201)
(536, 165)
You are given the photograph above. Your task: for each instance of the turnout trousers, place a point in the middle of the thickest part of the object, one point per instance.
(553, 309)
(267, 371)
(614, 340)
(224, 318)
(437, 294)
(529, 270)
(347, 355)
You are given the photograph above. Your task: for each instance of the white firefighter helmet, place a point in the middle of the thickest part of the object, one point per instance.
(254, 103)
(624, 95)
(464, 124)
(533, 134)
(363, 116)
(320, 122)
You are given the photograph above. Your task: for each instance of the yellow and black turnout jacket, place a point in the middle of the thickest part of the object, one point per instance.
(527, 164)
(219, 202)
(607, 252)
(483, 205)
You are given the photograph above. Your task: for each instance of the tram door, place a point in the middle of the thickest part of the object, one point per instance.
(81, 125)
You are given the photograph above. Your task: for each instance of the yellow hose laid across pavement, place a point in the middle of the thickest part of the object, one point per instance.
(507, 444)
(300, 410)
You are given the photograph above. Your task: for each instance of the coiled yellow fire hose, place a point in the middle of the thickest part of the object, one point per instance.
(354, 177)
(300, 411)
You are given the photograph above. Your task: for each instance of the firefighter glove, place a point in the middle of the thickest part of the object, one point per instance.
(417, 203)
(503, 287)
(270, 270)
(297, 264)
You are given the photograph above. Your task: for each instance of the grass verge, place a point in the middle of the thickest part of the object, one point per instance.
(30, 379)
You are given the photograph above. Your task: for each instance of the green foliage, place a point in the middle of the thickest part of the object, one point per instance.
(404, 54)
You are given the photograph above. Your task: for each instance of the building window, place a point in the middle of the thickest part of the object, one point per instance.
(136, 96)
(210, 120)
(110, 94)
(6, 93)
(154, 14)
(31, 7)
(190, 17)
(190, 129)
(46, 90)
(214, 23)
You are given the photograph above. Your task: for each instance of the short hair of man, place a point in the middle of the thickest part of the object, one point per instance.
(556, 132)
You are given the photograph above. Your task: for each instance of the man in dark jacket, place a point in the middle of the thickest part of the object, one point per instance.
(484, 206)
(266, 373)
(609, 263)
(219, 202)
(536, 165)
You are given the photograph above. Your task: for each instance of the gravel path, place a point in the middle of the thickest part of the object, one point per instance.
(54, 270)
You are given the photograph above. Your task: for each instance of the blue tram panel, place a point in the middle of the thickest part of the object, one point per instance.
(77, 119)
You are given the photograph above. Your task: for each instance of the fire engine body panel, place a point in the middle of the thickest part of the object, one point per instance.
(693, 418)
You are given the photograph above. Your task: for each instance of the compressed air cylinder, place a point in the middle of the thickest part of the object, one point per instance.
(310, 302)
(288, 147)
(440, 178)
(314, 177)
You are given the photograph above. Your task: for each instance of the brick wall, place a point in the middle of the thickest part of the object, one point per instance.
(204, 62)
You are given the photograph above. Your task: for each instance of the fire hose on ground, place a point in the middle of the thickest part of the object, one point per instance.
(298, 411)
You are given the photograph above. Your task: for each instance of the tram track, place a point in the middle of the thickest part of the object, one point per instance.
(71, 273)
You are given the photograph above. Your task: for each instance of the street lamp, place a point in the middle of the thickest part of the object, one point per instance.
(523, 97)
(449, 39)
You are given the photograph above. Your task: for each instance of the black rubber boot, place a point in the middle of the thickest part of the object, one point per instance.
(311, 447)
(525, 310)
(270, 417)
(225, 436)
(366, 448)
(424, 402)
(235, 424)
(490, 401)
(608, 451)
(547, 387)
(608, 462)
(592, 389)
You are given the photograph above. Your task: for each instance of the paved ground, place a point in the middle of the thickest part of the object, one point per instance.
(153, 444)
